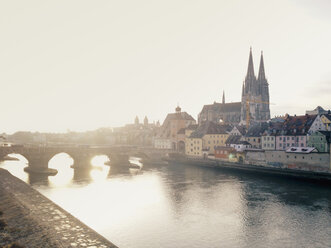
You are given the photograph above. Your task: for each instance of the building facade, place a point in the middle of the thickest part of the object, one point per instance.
(320, 140)
(206, 137)
(254, 134)
(168, 133)
(319, 124)
(294, 132)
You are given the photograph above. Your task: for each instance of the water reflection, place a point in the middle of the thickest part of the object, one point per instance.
(184, 206)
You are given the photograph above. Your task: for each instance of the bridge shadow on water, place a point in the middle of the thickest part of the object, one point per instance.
(38, 179)
(81, 176)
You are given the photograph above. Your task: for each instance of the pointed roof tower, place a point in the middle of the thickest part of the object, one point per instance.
(136, 120)
(223, 98)
(146, 121)
(261, 69)
(250, 69)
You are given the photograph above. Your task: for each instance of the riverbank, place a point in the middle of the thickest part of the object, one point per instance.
(318, 177)
(31, 220)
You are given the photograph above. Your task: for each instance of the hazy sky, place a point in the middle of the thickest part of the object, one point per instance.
(81, 65)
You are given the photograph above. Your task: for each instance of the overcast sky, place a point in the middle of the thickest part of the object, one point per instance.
(81, 65)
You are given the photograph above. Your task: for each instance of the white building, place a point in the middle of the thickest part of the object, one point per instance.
(161, 143)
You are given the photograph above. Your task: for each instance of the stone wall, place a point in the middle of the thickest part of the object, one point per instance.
(32, 220)
(282, 159)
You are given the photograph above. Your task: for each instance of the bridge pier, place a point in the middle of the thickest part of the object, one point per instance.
(119, 159)
(38, 163)
(82, 161)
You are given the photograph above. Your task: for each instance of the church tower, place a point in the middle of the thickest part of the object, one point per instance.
(255, 93)
(264, 89)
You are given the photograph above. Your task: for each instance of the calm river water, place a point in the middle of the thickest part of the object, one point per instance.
(183, 206)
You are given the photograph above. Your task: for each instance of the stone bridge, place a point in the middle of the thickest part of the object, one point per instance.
(39, 156)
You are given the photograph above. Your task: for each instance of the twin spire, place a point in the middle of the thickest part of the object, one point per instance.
(250, 69)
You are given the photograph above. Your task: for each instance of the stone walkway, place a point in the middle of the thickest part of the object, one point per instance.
(34, 221)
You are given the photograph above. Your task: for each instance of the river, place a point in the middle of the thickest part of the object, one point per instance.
(186, 206)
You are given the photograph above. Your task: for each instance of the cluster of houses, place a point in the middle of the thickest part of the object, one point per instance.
(304, 134)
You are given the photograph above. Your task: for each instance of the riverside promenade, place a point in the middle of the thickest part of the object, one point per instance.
(29, 219)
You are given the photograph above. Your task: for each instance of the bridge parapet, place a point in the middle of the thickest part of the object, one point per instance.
(38, 156)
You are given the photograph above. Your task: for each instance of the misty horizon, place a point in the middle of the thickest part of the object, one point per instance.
(88, 66)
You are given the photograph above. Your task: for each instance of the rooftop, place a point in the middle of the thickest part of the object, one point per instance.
(223, 107)
(297, 125)
(209, 127)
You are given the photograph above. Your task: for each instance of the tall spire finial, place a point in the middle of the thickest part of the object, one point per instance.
(250, 69)
(223, 98)
(261, 75)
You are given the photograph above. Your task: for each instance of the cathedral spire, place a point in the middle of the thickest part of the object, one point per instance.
(223, 98)
(261, 69)
(250, 69)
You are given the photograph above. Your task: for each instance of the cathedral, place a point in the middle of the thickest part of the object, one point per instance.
(254, 100)
(255, 94)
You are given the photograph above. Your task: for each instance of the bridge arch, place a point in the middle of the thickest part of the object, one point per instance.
(19, 156)
(62, 155)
